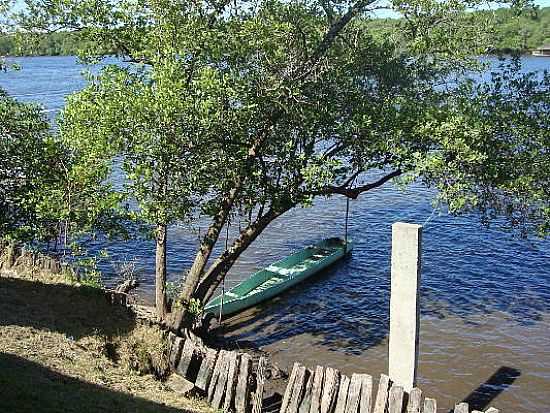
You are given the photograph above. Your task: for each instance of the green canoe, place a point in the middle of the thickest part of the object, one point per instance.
(279, 276)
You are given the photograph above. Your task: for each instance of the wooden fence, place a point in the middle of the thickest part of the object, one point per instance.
(228, 382)
(12, 257)
(225, 378)
(325, 390)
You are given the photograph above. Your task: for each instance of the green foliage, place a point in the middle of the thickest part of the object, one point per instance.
(521, 32)
(29, 170)
(87, 272)
(508, 32)
(493, 149)
(51, 44)
(51, 196)
(505, 30)
(238, 111)
(133, 120)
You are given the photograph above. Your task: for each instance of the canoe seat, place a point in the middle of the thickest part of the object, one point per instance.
(285, 271)
(265, 285)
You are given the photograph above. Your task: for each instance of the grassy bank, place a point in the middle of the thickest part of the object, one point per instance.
(63, 348)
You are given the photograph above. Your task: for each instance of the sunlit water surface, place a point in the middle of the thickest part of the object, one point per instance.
(485, 294)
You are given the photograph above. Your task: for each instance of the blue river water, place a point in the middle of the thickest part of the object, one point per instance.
(485, 293)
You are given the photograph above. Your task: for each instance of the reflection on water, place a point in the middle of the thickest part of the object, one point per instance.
(484, 297)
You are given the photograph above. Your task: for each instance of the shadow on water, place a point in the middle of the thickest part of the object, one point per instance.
(481, 398)
(280, 318)
(347, 308)
(30, 387)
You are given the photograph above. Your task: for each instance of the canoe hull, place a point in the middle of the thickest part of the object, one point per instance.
(279, 277)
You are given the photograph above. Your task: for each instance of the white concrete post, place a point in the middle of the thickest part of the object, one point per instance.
(404, 303)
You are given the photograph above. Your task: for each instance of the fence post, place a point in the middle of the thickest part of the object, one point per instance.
(404, 304)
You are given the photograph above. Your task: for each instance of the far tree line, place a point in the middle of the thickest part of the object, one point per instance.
(515, 33)
(241, 111)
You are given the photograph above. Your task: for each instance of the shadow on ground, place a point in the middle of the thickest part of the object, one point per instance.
(30, 387)
(75, 312)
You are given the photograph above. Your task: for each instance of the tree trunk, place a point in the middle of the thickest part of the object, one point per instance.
(207, 245)
(221, 266)
(178, 318)
(218, 270)
(160, 272)
(10, 258)
(194, 275)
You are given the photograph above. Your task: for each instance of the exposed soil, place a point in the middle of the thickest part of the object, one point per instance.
(64, 348)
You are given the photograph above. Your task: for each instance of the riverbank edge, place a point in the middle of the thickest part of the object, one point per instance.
(37, 267)
(104, 345)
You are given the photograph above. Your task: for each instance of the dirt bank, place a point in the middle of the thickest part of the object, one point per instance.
(64, 348)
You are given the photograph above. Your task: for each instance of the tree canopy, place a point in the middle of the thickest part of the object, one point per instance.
(515, 32)
(29, 166)
(248, 109)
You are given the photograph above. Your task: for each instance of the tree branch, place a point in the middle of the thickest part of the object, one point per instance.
(221, 266)
(353, 193)
(332, 33)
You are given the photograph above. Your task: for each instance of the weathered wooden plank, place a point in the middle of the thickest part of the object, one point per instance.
(365, 404)
(175, 351)
(242, 396)
(430, 406)
(231, 381)
(222, 382)
(206, 369)
(215, 375)
(305, 405)
(260, 382)
(186, 357)
(317, 390)
(462, 408)
(415, 401)
(330, 390)
(180, 385)
(342, 395)
(171, 339)
(491, 410)
(382, 394)
(299, 389)
(354, 394)
(395, 403)
(289, 387)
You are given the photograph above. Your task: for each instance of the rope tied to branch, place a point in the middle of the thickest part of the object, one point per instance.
(223, 280)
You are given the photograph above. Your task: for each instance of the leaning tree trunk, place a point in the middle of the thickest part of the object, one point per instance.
(193, 278)
(221, 266)
(160, 271)
(179, 317)
(207, 245)
(219, 269)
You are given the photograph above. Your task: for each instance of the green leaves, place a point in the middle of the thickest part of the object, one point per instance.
(286, 100)
(143, 124)
(493, 150)
(28, 171)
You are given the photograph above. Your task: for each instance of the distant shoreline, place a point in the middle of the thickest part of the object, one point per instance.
(492, 54)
